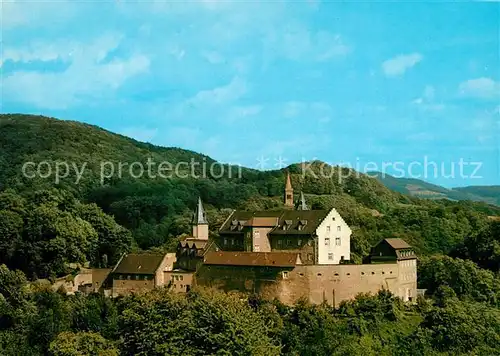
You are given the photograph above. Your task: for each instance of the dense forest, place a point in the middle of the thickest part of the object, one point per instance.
(48, 226)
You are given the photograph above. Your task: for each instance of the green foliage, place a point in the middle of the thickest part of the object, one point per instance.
(464, 277)
(52, 230)
(206, 322)
(157, 210)
(81, 344)
(482, 248)
(46, 226)
(36, 320)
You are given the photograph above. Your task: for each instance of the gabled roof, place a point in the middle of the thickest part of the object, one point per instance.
(397, 243)
(193, 242)
(139, 263)
(267, 259)
(299, 222)
(308, 219)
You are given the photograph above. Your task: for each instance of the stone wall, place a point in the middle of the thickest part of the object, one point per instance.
(316, 283)
(122, 287)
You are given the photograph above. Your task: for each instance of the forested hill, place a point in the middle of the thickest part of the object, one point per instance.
(423, 189)
(157, 210)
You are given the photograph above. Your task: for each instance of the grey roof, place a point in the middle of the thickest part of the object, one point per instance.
(139, 263)
(285, 222)
(302, 202)
(199, 216)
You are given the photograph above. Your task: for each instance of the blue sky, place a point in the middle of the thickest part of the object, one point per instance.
(344, 83)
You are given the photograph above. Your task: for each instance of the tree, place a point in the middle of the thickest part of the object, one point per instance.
(81, 344)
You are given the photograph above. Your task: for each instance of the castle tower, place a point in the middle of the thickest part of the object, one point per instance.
(301, 204)
(288, 192)
(200, 223)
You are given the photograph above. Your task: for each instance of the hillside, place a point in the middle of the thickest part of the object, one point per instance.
(157, 210)
(490, 194)
(425, 190)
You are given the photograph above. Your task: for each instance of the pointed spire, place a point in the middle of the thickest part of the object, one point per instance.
(288, 182)
(302, 203)
(288, 192)
(199, 216)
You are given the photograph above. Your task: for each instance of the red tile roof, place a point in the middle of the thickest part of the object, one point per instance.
(268, 259)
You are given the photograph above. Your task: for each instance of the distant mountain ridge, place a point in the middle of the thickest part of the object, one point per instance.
(423, 189)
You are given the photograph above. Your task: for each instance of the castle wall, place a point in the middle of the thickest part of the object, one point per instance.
(316, 283)
(123, 287)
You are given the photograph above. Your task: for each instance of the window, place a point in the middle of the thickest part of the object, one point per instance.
(280, 242)
(337, 241)
(232, 241)
(288, 196)
(225, 241)
(309, 256)
(128, 276)
(330, 256)
(256, 234)
(327, 241)
(328, 228)
(299, 242)
(339, 228)
(284, 274)
(256, 248)
(342, 258)
(137, 277)
(181, 278)
(348, 274)
(176, 278)
(333, 218)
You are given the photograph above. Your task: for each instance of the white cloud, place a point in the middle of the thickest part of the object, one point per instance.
(246, 111)
(398, 65)
(35, 13)
(427, 101)
(482, 88)
(311, 110)
(87, 74)
(213, 57)
(220, 95)
(300, 44)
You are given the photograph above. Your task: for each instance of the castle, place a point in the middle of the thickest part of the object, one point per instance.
(289, 254)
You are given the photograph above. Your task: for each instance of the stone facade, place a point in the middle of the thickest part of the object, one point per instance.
(315, 283)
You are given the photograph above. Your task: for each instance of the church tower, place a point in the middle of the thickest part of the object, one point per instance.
(200, 223)
(288, 192)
